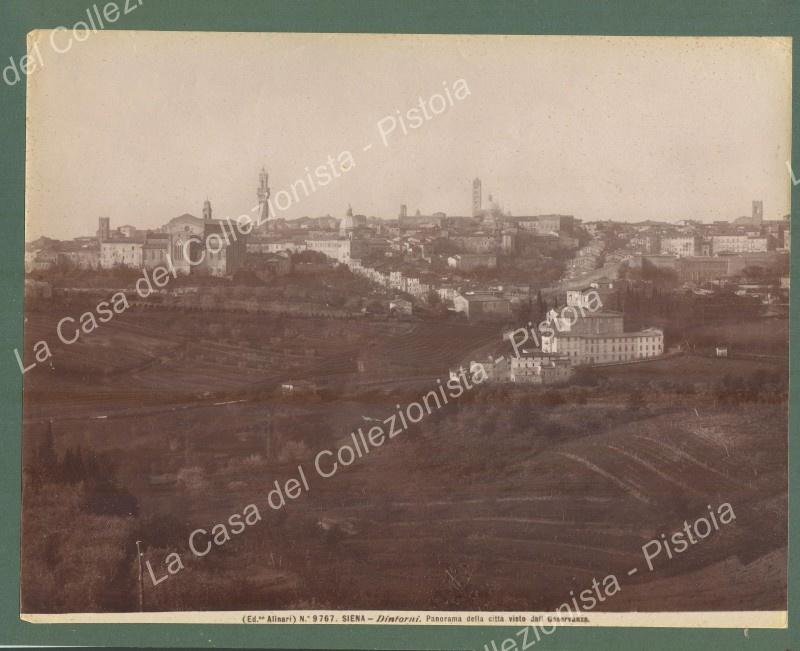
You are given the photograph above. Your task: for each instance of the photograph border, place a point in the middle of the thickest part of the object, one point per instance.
(561, 17)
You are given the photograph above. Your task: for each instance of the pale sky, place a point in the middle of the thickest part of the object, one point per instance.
(143, 126)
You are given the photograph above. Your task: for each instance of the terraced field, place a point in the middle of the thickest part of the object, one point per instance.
(456, 519)
(161, 357)
(547, 523)
(508, 500)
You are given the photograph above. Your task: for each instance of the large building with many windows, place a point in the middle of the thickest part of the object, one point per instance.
(121, 252)
(543, 224)
(336, 248)
(599, 338)
(739, 244)
(681, 246)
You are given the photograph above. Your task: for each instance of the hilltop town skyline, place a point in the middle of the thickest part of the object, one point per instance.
(197, 211)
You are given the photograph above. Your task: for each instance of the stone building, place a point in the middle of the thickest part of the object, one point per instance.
(121, 252)
(599, 338)
(479, 306)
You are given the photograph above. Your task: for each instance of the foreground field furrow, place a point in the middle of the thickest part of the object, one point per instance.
(682, 456)
(626, 487)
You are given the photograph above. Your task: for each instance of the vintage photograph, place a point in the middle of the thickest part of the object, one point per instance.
(405, 329)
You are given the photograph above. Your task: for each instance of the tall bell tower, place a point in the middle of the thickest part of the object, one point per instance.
(263, 196)
(758, 213)
(477, 203)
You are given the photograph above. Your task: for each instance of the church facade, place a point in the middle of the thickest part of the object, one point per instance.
(194, 245)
